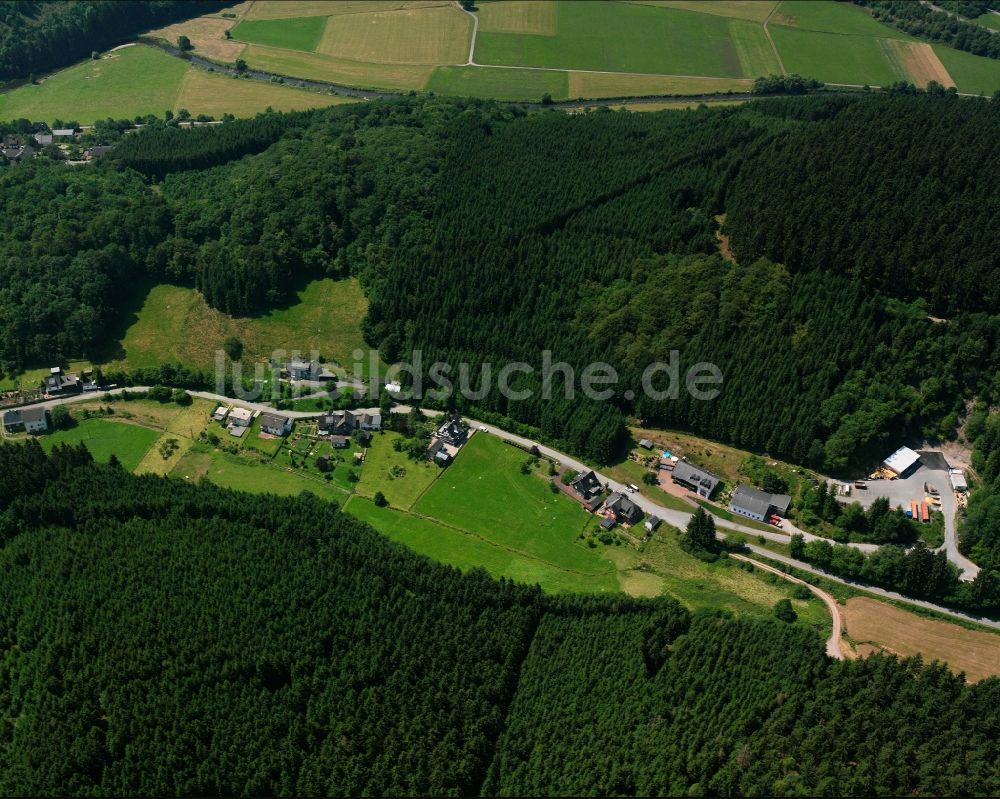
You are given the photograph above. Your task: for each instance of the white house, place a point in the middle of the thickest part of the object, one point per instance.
(240, 417)
(275, 424)
(26, 420)
(299, 369)
(220, 413)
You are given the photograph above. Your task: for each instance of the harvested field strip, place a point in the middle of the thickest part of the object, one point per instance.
(887, 628)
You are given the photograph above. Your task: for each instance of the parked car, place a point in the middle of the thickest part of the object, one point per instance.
(483, 428)
(861, 484)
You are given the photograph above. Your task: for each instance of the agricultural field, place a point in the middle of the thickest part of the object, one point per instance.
(500, 83)
(316, 66)
(208, 33)
(432, 36)
(835, 58)
(536, 17)
(104, 438)
(175, 325)
(279, 9)
(972, 73)
(831, 17)
(125, 83)
(752, 10)
(465, 551)
(293, 33)
(595, 85)
(623, 37)
(485, 493)
(217, 95)
(139, 80)
(874, 626)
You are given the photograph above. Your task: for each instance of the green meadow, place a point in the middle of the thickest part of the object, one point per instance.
(104, 438)
(293, 33)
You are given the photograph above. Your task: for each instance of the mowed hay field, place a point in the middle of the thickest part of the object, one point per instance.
(500, 83)
(422, 36)
(207, 34)
(280, 9)
(971, 73)
(128, 82)
(175, 325)
(202, 92)
(877, 626)
(831, 17)
(316, 66)
(104, 438)
(623, 37)
(920, 62)
(594, 85)
(536, 17)
(835, 58)
(753, 10)
(295, 33)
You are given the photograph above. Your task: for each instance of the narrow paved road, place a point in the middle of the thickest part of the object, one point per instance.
(833, 642)
(475, 31)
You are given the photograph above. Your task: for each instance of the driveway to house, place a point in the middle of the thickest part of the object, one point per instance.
(833, 642)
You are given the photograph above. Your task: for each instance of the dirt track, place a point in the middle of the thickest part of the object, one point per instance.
(833, 642)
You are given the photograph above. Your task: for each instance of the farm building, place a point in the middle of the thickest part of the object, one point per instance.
(63, 133)
(26, 420)
(698, 480)
(901, 462)
(758, 505)
(957, 479)
(275, 424)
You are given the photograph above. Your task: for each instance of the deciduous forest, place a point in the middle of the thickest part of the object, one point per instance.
(166, 638)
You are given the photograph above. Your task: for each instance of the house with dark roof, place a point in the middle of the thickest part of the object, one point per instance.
(587, 485)
(625, 510)
(758, 505)
(337, 423)
(369, 421)
(339, 442)
(453, 432)
(652, 523)
(59, 384)
(26, 420)
(275, 424)
(301, 369)
(97, 151)
(703, 483)
(42, 139)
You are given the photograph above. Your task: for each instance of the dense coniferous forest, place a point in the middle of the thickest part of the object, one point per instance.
(41, 35)
(164, 638)
(596, 242)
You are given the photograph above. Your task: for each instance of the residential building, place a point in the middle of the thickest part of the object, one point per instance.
(758, 505)
(97, 151)
(26, 420)
(652, 523)
(625, 510)
(42, 139)
(339, 442)
(220, 413)
(703, 483)
(437, 453)
(453, 432)
(337, 423)
(901, 462)
(299, 369)
(369, 421)
(240, 417)
(589, 488)
(645, 443)
(59, 384)
(275, 424)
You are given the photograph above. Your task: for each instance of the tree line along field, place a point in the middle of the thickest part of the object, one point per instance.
(140, 80)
